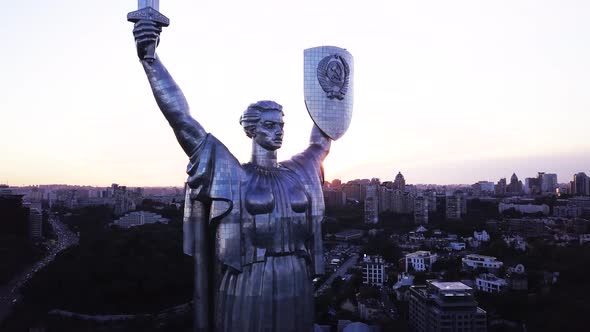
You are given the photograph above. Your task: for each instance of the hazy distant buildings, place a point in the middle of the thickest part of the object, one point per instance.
(532, 186)
(581, 203)
(430, 195)
(399, 183)
(14, 216)
(581, 184)
(35, 222)
(421, 210)
(524, 208)
(483, 188)
(455, 206)
(515, 186)
(543, 183)
(445, 306)
(393, 197)
(500, 187)
(385, 197)
(5, 190)
(356, 189)
(334, 198)
(398, 201)
(123, 201)
(548, 182)
(526, 227)
(336, 184)
(372, 204)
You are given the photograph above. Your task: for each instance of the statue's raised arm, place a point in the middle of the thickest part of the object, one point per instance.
(319, 141)
(254, 229)
(168, 94)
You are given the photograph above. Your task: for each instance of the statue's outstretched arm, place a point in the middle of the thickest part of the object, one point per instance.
(320, 141)
(168, 94)
(174, 106)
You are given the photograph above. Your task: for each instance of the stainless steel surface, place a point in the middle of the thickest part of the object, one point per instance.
(155, 4)
(254, 229)
(150, 23)
(328, 88)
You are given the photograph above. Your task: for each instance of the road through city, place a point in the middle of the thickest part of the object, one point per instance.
(350, 262)
(10, 292)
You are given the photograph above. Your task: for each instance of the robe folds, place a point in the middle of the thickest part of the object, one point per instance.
(263, 228)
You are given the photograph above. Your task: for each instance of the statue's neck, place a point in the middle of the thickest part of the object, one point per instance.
(263, 157)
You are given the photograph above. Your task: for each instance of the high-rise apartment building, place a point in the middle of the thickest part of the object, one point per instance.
(430, 195)
(356, 189)
(500, 188)
(372, 204)
(399, 183)
(456, 206)
(35, 223)
(385, 200)
(445, 307)
(581, 184)
(334, 198)
(398, 201)
(548, 182)
(421, 210)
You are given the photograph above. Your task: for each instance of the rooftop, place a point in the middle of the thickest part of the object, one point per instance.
(476, 256)
(452, 285)
(419, 254)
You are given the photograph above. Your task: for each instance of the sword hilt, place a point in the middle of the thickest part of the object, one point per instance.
(149, 14)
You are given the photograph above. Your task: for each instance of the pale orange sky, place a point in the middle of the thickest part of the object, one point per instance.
(446, 92)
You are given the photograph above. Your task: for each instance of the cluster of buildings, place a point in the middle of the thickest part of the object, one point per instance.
(437, 240)
(396, 197)
(121, 199)
(543, 183)
(446, 306)
(421, 201)
(20, 215)
(21, 208)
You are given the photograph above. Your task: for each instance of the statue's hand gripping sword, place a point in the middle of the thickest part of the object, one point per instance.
(148, 10)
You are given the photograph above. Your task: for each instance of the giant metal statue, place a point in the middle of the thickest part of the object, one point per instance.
(254, 228)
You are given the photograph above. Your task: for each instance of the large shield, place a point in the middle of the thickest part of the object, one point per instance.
(328, 88)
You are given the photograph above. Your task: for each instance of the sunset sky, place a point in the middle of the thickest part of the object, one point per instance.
(445, 91)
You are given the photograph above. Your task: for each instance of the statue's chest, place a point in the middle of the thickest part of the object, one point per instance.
(276, 211)
(278, 192)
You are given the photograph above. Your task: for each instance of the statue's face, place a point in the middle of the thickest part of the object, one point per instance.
(269, 130)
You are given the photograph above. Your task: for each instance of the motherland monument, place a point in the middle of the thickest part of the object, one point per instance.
(254, 229)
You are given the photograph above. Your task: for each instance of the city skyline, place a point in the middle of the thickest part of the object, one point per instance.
(447, 93)
(521, 178)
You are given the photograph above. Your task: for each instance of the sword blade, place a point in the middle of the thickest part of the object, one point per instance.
(155, 4)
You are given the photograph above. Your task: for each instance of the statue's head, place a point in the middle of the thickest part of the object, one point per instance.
(263, 122)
